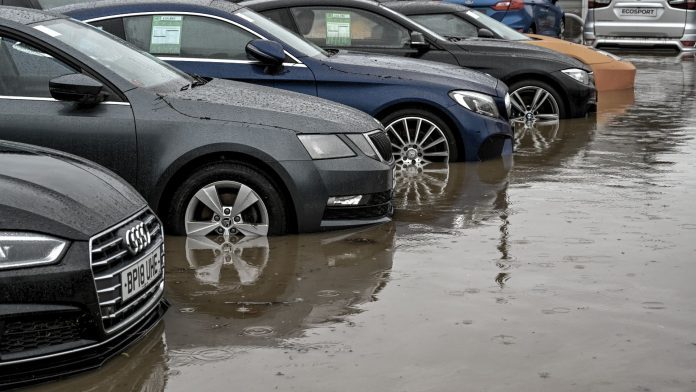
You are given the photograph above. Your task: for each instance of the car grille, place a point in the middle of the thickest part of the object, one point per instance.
(109, 257)
(377, 205)
(382, 144)
(40, 332)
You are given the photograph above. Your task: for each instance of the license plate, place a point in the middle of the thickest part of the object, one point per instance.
(135, 278)
(652, 12)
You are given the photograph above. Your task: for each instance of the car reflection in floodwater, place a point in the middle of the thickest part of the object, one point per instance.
(232, 294)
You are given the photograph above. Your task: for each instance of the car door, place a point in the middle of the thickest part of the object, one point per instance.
(104, 133)
(206, 46)
(354, 29)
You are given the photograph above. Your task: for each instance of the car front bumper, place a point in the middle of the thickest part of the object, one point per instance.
(482, 137)
(599, 41)
(316, 181)
(581, 99)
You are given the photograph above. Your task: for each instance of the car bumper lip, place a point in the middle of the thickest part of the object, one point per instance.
(46, 367)
(630, 42)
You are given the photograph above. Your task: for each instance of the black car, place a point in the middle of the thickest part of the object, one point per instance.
(209, 155)
(550, 84)
(81, 265)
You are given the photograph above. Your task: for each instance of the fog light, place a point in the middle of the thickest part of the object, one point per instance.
(344, 200)
(688, 44)
(589, 42)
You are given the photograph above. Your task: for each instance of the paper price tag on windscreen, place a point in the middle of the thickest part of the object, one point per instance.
(338, 29)
(166, 34)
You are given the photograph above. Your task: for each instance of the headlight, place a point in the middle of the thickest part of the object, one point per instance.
(578, 74)
(364, 145)
(28, 249)
(325, 146)
(476, 102)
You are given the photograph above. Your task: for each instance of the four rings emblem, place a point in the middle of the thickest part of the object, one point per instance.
(135, 237)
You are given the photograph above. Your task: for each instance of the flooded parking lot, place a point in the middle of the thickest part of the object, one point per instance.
(569, 269)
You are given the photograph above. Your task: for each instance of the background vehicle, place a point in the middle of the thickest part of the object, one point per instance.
(565, 85)
(457, 21)
(209, 156)
(421, 104)
(81, 265)
(657, 24)
(543, 17)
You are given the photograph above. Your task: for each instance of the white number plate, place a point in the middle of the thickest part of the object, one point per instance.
(139, 275)
(652, 12)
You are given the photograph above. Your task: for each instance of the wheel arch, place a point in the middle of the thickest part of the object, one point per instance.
(256, 159)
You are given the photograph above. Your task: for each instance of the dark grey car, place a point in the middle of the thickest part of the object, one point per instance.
(210, 156)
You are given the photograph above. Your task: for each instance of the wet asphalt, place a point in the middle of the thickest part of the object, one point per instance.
(570, 268)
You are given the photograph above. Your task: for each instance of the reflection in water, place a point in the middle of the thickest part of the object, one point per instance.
(254, 291)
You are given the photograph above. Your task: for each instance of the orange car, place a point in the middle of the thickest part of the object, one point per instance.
(610, 72)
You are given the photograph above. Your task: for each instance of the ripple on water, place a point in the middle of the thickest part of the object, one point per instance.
(328, 293)
(653, 305)
(258, 331)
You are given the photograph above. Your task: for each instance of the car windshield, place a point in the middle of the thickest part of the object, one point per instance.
(453, 25)
(423, 28)
(134, 65)
(304, 47)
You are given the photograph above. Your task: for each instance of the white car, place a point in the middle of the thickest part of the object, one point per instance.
(642, 23)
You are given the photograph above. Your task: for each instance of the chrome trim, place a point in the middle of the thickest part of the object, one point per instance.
(638, 41)
(374, 147)
(112, 288)
(96, 345)
(22, 98)
(102, 277)
(109, 259)
(191, 14)
(222, 61)
(108, 245)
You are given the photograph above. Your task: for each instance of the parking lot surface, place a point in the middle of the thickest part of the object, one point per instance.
(569, 269)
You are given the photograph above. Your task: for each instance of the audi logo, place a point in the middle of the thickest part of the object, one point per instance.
(136, 237)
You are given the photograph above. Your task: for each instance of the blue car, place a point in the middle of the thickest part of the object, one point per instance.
(433, 112)
(526, 16)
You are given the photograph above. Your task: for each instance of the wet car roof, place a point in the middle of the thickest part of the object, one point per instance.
(27, 16)
(219, 4)
(424, 7)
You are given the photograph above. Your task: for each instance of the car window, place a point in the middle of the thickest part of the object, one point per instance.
(187, 36)
(447, 25)
(344, 27)
(25, 71)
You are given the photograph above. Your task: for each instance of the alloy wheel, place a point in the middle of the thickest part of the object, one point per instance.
(417, 141)
(532, 106)
(226, 208)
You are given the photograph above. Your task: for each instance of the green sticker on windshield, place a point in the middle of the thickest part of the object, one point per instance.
(338, 28)
(166, 34)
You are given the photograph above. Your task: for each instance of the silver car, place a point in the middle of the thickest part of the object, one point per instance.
(642, 23)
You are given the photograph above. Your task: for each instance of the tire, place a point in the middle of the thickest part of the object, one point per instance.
(227, 179)
(524, 85)
(419, 123)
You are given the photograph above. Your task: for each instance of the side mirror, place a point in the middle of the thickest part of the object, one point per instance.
(418, 40)
(485, 33)
(78, 88)
(269, 53)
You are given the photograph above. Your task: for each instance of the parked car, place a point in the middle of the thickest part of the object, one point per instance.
(460, 22)
(654, 24)
(543, 17)
(431, 111)
(545, 85)
(209, 155)
(81, 265)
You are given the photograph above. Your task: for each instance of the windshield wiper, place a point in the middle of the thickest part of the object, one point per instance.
(198, 80)
(452, 38)
(331, 52)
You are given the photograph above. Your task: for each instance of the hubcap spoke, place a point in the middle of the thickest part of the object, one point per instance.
(435, 143)
(209, 196)
(249, 229)
(201, 243)
(194, 228)
(541, 101)
(393, 132)
(245, 199)
(517, 102)
(408, 134)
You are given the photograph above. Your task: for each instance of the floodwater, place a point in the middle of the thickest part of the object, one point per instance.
(572, 268)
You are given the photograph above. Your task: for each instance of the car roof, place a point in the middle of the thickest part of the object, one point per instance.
(424, 7)
(270, 4)
(27, 16)
(218, 4)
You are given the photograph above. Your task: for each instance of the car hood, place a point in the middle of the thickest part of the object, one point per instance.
(246, 103)
(521, 50)
(580, 52)
(415, 71)
(62, 195)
